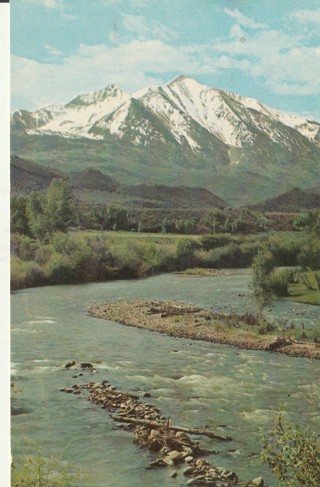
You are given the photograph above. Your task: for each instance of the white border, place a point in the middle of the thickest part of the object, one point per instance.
(4, 247)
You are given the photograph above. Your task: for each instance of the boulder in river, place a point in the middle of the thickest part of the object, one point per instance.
(70, 364)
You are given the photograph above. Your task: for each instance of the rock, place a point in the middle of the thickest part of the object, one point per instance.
(70, 364)
(86, 365)
(154, 434)
(197, 481)
(175, 456)
(189, 471)
(164, 450)
(158, 463)
(188, 459)
(258, 482)
(155, 445)
(279, 342)
(168, 461)
(174, 474)
(232, 476)
(187, 451)
(146, 394)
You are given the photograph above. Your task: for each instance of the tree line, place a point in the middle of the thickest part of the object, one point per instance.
(41, 213)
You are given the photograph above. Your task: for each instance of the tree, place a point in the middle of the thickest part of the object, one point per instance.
(35, 210)
(18, 216)
(263, 265)
(309, 221)
(59, 209)
(117, 218)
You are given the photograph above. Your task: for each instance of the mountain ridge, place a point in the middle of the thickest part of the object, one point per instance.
(180, 133)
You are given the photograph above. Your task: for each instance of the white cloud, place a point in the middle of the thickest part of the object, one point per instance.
(279, 60)
(49, 4)
(139, 3)
(244, 20)
(307, 16)
(53, 50)
(134, 3)
(133, 65)
(147, 28)
(60, 5)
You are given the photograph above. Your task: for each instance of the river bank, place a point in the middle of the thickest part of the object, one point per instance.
(185, 321)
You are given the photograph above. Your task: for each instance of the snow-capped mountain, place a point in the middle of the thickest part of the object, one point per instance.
(177, 105)
(163, 129)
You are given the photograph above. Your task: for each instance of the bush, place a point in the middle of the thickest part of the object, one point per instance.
(23, 247)
(233, 256)
(60, 269)
(292, 455)
(280, 280)
(209, 242)
(41, 472)
(25, 274)
(185, 253)
(285, 250)
(309, 256)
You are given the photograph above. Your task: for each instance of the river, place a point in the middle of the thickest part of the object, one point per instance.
(235, 392)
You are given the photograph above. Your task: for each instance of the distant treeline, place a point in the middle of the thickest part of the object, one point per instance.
(42, 213)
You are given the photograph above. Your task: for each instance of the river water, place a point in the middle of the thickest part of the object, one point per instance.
(235, 392)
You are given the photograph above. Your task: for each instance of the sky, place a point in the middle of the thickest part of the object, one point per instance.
(264, 49)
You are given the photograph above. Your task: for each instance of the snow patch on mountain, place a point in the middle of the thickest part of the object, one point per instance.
(180, 107)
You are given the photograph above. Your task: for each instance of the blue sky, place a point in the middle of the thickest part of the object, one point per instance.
(265, 49)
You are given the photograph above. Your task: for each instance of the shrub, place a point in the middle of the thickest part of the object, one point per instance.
(41, 472)
(185, 253)
(234, 255)
(25, 274)
(309, 280)
(209, 242)
(292, 455)
(285, 250)
(60, 269)
(23, 246)
(280, 280)
(309, 256)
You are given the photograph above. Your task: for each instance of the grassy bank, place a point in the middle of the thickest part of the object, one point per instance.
(93, 256)
(301, 294)
(87, 256)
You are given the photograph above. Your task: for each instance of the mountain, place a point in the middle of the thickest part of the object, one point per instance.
(292, 201)
(27, 177)
(181, 133)
(92, 187)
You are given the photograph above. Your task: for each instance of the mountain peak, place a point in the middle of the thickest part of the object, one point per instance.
(177, 79)
(93, 97)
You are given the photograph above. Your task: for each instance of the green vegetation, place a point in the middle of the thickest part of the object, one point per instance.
(293, 455)
(112, 245)
(263, 265)
(42, 472)
(79, 257)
